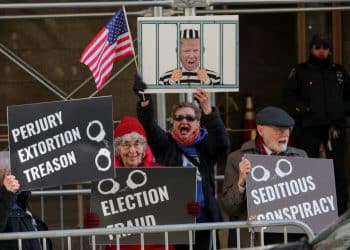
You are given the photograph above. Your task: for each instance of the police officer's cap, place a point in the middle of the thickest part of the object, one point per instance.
(189, 34)
(273, 116)
(320, 40)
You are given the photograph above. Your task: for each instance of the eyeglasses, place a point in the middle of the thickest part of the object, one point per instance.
(318, 47)
(188, 118)
(128, 145)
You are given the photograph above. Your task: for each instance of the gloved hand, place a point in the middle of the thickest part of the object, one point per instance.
(91, 220)
(139, 88)
(193, 208)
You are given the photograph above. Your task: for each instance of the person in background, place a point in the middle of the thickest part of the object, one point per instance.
(274, 126)
(317, 94)
(188, 144)
(131, 150)
(15, 214)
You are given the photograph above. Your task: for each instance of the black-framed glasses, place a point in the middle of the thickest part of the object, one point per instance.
(188, 118)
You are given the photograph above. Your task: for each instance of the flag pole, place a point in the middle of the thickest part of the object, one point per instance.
(133, 50)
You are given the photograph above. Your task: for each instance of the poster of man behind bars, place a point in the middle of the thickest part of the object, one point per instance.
(179, 54)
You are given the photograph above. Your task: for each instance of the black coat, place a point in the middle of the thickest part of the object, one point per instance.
(17, 220)
(167, 153)
(318, 93)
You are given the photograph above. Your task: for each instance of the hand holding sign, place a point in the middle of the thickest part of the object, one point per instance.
(244, 170)
(202, 75)
(176, 75)
(11, 183)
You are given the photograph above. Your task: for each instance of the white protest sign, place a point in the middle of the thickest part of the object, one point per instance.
(292, 188)
(144, 197)
(62, 142)
(169, 63)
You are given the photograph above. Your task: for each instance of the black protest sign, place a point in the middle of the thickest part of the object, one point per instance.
(292, 188)
(62, 142)
(145, 197)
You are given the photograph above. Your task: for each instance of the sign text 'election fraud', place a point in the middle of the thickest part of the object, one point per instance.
(144, 197)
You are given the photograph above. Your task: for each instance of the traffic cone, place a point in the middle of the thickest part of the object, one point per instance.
(249, 125)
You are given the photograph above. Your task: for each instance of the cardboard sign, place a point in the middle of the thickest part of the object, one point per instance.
(63, 142)
(179, 54)
(292, 188)
(145, 197)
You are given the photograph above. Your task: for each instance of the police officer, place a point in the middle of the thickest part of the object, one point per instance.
(317, 94)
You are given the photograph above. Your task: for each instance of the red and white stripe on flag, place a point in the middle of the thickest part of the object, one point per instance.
(111, 44)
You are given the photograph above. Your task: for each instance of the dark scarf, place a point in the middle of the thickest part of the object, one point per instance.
(320, 62)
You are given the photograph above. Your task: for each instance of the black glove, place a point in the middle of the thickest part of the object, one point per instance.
(139, 88)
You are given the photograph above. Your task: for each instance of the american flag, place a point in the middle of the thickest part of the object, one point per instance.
(112, 43)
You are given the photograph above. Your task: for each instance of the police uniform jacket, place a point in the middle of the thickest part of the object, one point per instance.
(318, 93)
(209, 149)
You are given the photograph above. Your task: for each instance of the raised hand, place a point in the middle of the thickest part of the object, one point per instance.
(11, 183)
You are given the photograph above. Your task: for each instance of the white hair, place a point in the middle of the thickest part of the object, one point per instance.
(5, 160)
(128, 137)
(4, 164)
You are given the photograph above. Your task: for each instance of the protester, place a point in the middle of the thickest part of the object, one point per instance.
(131, 150)
(274, 126)
(15, 214)
(187, 144)
(190, 55)
(317, 94)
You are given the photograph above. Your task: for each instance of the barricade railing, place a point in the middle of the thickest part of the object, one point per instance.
(166, 229)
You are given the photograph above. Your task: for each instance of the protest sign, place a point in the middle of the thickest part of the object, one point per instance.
(180, 53)
(62, 142)
(292, 188)
(144, 197)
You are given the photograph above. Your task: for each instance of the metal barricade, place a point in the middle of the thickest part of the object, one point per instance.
(166, 229)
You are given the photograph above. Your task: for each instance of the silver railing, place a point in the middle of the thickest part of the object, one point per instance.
(165, 229)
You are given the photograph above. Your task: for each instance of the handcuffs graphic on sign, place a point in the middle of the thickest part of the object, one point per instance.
(100, 136)
(103, 152)
(266, 173)
(129, 183)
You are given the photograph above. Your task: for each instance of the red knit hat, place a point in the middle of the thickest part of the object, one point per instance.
(128, 125)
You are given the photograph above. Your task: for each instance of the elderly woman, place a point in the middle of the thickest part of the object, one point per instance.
(131, 150)
(15, 215)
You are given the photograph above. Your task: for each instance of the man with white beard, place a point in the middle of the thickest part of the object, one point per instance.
(274, 126)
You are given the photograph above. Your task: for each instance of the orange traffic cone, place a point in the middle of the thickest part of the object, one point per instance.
(249, 125)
